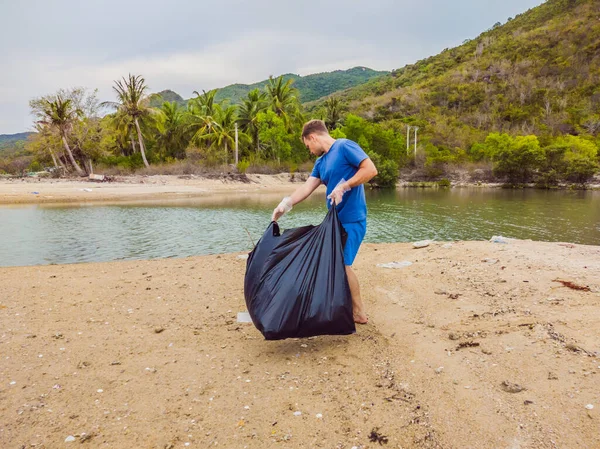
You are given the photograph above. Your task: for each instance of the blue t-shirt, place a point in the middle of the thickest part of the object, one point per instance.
(341, 162)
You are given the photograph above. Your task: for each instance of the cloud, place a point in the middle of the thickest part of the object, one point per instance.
(195, 45)
(247, 59)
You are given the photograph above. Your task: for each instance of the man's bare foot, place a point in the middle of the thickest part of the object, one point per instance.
(360, 318)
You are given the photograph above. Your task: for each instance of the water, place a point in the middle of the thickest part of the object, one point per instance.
(44, 234)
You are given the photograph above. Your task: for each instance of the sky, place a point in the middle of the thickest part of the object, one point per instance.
(187, 45)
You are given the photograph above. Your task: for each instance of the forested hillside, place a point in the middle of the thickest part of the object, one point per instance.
(536, 75)
(310, 87)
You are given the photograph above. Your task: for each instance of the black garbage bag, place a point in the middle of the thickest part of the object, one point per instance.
(296, 283)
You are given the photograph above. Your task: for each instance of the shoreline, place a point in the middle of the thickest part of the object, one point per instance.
(21, 191)
(135, 188)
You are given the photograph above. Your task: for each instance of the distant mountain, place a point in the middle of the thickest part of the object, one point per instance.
(311, 87)
(156, 100)
(9, 139)
(11, 144)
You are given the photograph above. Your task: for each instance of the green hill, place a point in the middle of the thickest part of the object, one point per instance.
(11, 144)
(10, 139)
(537, 74)
(156, 100)
(311, 87)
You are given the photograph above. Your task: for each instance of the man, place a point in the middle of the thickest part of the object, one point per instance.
(343, 167)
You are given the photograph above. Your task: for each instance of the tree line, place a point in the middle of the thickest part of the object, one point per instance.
(73, 136)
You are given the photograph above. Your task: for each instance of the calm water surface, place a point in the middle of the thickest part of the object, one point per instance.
(46, 234)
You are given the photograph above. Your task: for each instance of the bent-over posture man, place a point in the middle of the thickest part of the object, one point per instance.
(343, 167)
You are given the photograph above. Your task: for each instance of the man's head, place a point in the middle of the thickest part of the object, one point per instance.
(316, 137)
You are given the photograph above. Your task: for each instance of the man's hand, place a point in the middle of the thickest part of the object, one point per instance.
(284, 207)
(337, 194)
(277, 213)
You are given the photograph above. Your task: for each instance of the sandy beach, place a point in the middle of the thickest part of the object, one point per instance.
(140, 188)
(474, 345)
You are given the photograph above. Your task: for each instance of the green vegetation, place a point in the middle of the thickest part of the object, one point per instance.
(8, 140)
(132, 107)
(13, 156)
(73, 137)
(161, 129)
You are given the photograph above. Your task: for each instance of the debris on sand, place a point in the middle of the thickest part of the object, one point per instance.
(376, 437)
(422, 244)
(404, 263)
(573, 285)
(510, 387)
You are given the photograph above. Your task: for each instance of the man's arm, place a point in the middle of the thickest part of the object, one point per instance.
(299, 195)
(366, 172)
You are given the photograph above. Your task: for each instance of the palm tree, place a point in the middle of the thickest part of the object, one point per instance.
(225, 117)
(284, 99)
(205, 103)
(333, 112)
(133, 102)
(217, 131)
(61, 114)
(200, 125)
(200, 117)
(172, 136)
(45, 132)
(125, 127)
(46, 141)
(248, 111)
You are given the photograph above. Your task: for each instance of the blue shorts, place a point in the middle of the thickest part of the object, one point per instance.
(356, 233)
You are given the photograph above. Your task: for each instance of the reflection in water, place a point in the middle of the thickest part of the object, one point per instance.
(64, 234)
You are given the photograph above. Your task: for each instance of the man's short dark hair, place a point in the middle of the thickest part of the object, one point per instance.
(314, 127)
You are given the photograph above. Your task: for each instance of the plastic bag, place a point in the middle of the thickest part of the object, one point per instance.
(296, 284)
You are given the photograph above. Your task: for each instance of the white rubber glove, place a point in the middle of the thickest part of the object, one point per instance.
(337, 194)
(283, 208)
